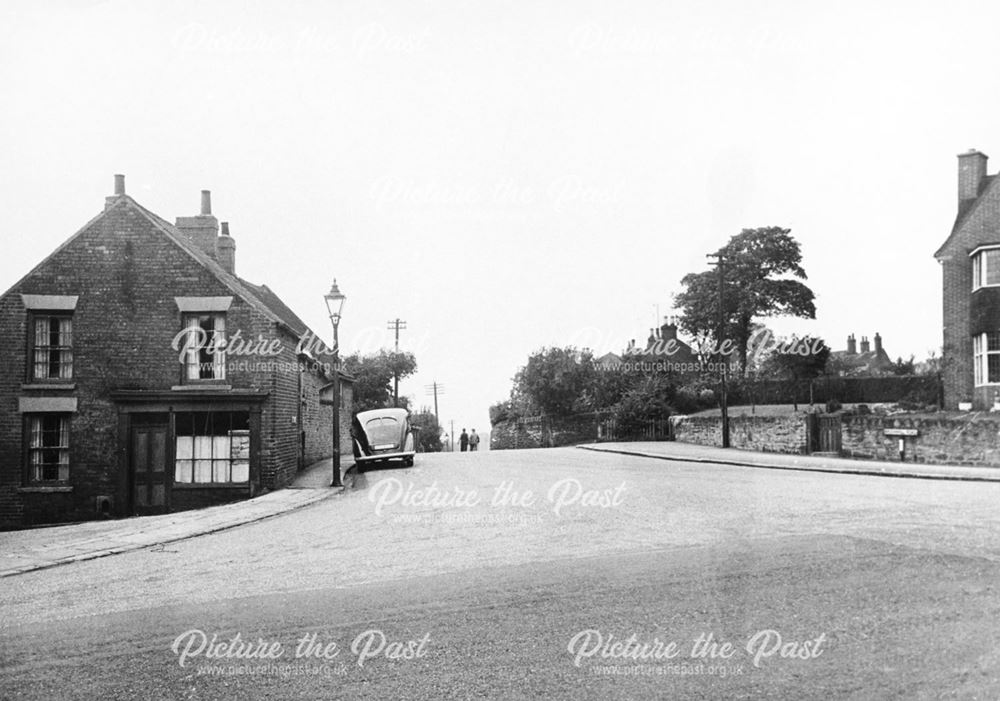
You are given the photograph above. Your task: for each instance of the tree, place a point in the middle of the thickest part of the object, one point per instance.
(799, 360)
(373, 375)
(429, 435)
(556, 381)
(904, 367)
(761, 278)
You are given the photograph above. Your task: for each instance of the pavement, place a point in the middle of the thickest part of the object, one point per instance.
(688, 452)
(41, 548)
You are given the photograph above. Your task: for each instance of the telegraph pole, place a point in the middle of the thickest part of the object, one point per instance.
(435, 388)
(724, 398)
(396, 324)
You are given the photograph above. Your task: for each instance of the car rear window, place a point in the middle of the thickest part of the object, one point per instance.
(382, 431)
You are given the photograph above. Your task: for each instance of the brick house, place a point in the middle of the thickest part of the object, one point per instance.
(970, 265)
(142, 375)
(866, 362)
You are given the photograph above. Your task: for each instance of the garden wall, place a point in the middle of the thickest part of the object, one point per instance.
(947, 441)
(772, 434)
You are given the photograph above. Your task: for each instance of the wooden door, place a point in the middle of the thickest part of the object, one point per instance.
(149, 469)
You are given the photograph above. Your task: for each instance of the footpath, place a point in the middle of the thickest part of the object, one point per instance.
(690, 453)
(44, 547)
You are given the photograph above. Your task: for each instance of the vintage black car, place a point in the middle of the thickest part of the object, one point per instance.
(381, 435)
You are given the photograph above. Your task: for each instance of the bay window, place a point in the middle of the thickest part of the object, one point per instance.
(985, 267)
(986, 358)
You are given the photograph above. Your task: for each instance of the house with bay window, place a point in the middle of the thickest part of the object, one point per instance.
(142, 375)
(970, 265)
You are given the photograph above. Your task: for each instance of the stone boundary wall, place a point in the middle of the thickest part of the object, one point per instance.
(947, 441)
(544, 432)
(771, 434)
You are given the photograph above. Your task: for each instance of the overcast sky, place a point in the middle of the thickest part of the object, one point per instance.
(506, 176)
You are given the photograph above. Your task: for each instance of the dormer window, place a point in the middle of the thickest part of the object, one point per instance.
(986, 267)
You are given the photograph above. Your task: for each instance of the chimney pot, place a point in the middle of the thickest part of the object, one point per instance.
(225, 229)
(206, 201)
(119, 184)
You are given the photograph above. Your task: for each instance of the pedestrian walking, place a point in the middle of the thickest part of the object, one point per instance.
(474, 440)
(463, 440)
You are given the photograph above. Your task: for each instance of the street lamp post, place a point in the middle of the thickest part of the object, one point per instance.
(335, 305)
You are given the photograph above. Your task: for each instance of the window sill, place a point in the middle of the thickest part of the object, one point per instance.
(50, 489)
(63, 386)
(207, 387)
(211, 485)
(986, 287)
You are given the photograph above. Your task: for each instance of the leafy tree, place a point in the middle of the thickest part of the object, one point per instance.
(904, 367)
(373, 375)
(799, 360)
(555, 381)
(652, 398)
(762, 273)
(429, 435)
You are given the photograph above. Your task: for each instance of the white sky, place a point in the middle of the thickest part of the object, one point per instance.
(506, 176)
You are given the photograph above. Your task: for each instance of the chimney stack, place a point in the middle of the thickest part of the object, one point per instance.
(225, 250)
(971, 171)
(202, 229)
(852, 345)
(878, 343)
(119, 191)
(865, 346)
(669, 330)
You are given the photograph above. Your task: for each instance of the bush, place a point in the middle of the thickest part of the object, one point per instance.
(833, 405)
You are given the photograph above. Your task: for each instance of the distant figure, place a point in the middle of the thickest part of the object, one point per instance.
(474, 440)
(464, 440)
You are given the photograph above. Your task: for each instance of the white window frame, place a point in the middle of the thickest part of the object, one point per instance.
(37, 448)
(202, 458)
(980, 268)
(211, 353)
(980, 361)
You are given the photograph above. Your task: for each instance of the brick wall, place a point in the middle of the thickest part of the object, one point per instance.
(773, 434)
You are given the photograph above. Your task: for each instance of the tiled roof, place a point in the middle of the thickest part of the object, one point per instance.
(266, 295)
(965, 209)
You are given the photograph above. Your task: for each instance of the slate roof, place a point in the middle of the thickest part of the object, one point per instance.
(965, 210)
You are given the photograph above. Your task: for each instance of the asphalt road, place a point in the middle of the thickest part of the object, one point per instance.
(877, 587)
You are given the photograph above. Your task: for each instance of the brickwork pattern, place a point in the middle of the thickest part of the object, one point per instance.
(127, 274)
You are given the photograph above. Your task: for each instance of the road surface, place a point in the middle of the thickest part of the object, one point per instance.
(616, 577)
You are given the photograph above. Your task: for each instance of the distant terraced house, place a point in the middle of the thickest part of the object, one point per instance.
(119, 393)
